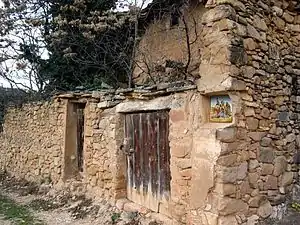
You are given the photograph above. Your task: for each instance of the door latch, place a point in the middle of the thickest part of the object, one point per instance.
(128, 150)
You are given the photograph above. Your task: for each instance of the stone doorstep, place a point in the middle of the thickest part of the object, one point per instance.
(129, 206)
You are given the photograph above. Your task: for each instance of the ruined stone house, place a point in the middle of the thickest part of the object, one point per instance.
(156, 145)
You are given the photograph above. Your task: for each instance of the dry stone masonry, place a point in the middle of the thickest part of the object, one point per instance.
(32, 142)
(261, 59)
(222, 173)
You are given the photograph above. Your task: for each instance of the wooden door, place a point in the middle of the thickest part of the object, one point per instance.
(80, 135)
(148, 158)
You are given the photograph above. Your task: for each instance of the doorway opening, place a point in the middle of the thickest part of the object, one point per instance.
(74, 139)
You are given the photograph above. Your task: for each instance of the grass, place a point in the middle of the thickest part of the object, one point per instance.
(296, 206)
(18, 214)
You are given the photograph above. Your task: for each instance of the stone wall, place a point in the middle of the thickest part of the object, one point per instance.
(36, 147)
(104, 163)
(270, 113)
(195, 150)
(260, 62)
(32, 141)
(249, 50)
(33, 147)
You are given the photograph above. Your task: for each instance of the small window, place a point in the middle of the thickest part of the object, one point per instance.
(174, 16)
(174, 19)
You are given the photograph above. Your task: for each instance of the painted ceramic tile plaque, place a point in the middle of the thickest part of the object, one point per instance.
(220, 109)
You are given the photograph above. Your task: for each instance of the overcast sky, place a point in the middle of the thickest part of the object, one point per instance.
(2, 82)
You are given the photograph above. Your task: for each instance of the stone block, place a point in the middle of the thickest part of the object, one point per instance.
(284, 116)
(271, 183)
(280, 23)
(248, 72)
(256, 136)
(290, 137)
(253, 164)
(265, 112)
(265, 209)
(226, 135)
(252, 220)
(286, 179)
(238, 57)
(225, 189)
(266, 154)
(264, 124)
(214, 74)
(249, 112)
(288, 17)
(280, 165)
(253, 33)
(218, 13)
(103, 104)
(255, 201)
(241, 30)
(221, 56)
(225, 24)
(208, 218)
(227, 206)
(250, 44)
(253, 178)
(265, 142)
(227, 220)
(227, 174)
(227, 160)
(245, 188)
(267, 169)
(252, 123)
(259, 23)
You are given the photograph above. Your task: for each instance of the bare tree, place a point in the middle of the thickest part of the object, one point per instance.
(22, 46)
(62, 44)
(183, 21)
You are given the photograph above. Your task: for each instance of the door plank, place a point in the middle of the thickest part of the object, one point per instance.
(137, 152)
(153, 164)
(145, 137)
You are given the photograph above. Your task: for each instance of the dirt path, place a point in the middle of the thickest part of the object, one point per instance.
(3, 221)
(22, 203)
(57, 216)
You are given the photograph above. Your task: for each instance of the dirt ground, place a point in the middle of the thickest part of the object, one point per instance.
(24, 203)
(27, 204)
(4, 222)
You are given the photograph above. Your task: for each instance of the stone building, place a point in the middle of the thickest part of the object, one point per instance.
(158, 145)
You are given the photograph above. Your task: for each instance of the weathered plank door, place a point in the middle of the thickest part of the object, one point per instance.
(148, 158)
(80, 134)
